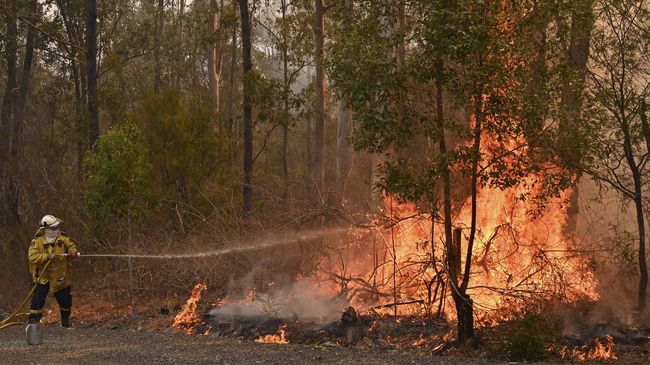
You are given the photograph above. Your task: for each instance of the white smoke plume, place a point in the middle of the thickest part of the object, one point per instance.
(302, 300)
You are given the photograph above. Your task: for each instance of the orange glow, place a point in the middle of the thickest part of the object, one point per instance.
(187, 319)
(279, 338)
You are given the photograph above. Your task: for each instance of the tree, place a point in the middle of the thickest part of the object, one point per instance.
(91, 60)
(118, 191)
(319, 101)
(247, 106)
(616, 130)
(118, 178)
(8, 138)
(215, 55)
(344, 131)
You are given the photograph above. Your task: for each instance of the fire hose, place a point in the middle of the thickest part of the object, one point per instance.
(7, 322)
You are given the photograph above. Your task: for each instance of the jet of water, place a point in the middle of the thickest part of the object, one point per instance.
(261, 244)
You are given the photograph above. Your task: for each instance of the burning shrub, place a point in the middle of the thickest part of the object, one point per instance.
(528, 338)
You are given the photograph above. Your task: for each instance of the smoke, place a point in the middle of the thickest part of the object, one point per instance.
(302, 300)
(607, 234)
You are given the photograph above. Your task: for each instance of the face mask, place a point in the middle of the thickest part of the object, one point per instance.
(51, 234)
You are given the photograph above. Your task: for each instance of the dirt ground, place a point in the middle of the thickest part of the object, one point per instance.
(107, 335)
(104, 345)
(89, 344)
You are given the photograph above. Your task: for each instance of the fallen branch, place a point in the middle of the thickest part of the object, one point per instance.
(419, 301)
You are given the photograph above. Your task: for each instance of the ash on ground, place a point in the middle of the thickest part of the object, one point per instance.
(350, 329)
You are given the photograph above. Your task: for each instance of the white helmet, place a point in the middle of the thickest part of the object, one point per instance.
(50, 221)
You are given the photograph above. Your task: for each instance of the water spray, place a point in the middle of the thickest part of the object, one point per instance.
(223, 251)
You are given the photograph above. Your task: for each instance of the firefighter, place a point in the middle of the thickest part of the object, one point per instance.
(50, 244)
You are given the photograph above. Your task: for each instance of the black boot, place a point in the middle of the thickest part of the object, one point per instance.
(65, 318)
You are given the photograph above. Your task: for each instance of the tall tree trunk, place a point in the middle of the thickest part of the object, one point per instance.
(93, 100)
(319, 103)
(643, 266)
(247, 106)
(158, 29)
(231, 79)
(215, 57)
(73, 39)
(179, 47)
(638, 204)
(9, 208)
(343, 147)
(19, 117)
(464, 305)
(285, 103)
(571, 95)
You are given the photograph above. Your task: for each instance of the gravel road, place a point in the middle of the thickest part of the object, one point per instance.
(103, 345)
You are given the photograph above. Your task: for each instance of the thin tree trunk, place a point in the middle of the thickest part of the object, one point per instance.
(285, 102)
(247, 106)
(9, 207)
(638, 203)
(76, 78)
(476, 152)
(19, 121)
(463, 304)
(343, 148)
(215, 57)
(319, 103)
(93, 100)
(179, 48)
(158, 28)
(231, 81)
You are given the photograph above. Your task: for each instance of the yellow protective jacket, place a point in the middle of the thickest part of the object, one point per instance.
(58, 272)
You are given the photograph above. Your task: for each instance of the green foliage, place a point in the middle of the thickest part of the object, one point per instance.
(467, 48)
(118, 177)
(183, 141)
(528, 338)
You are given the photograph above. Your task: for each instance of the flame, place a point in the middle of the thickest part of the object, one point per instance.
(599, 351)
(187, 319)
(280, 338)
(516, 261)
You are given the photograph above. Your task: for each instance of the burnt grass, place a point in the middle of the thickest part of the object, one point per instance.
(350, 331)
(430, 335)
